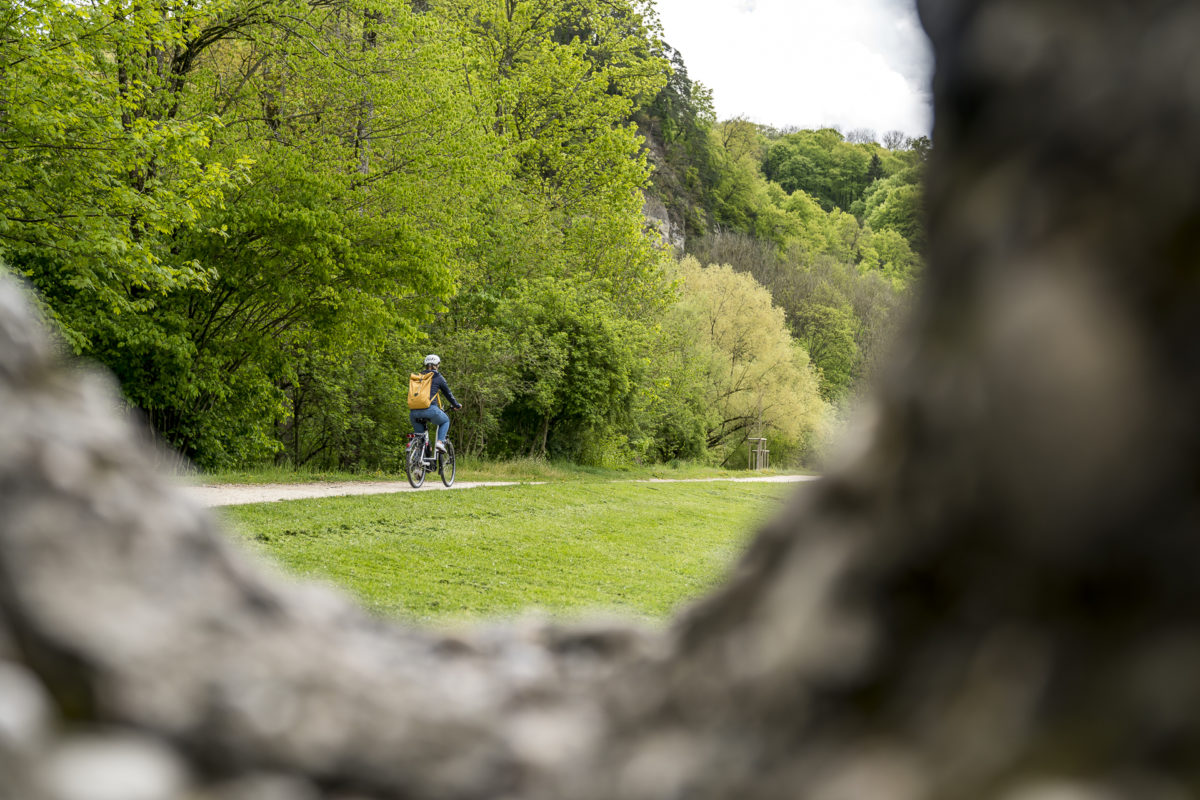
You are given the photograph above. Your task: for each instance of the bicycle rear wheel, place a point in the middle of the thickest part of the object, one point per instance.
(414, 464)
(445, 463)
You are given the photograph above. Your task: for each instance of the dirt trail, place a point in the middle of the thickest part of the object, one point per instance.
(228, 494)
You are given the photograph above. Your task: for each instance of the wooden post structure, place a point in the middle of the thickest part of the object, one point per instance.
(760, 456)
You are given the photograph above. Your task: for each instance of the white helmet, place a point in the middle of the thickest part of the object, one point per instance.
(432, 361)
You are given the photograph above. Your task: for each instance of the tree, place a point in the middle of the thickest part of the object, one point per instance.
(576, 366)
(755, 378)
(562, 277)
(874, 169)
(823, 164)
(100, 168)
(845, 313)
(894, 140)
(344, 238)
(893, 257)
(860, 136)
(897, 204)
(827, 331)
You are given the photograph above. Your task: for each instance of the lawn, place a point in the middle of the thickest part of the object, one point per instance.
(565, 549)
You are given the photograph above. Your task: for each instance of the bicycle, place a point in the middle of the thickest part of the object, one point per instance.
(420, 457)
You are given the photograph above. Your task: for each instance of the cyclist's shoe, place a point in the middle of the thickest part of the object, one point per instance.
(440, 446)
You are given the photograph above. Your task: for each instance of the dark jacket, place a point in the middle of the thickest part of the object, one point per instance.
(441, 387)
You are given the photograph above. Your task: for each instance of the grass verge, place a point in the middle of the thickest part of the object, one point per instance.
(564, 549)
(473, 469)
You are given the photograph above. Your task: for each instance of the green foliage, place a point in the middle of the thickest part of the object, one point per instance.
(844, 315)
(337, 246)
(99, 167)
(559, 81)
(260, 216)
(895, 204)
(833, 228)
(548, 324)
(822, 164)
(889, 253)
(748, 374)
(827, 332)
(554, 373)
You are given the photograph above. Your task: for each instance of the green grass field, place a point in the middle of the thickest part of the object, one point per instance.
(564, 549)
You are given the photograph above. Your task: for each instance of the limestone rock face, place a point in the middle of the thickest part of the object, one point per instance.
(658, 217)
(995, 596)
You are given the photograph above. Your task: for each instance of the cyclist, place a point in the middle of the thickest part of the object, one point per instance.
(435, 414)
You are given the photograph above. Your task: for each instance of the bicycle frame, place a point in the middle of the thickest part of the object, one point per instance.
(430, 459)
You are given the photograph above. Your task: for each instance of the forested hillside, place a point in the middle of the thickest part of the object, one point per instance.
(261, 214)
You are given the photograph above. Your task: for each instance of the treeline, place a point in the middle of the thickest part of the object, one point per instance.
(831, 223)
(261, 214)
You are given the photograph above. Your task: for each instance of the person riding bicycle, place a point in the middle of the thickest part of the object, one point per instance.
(435, 414)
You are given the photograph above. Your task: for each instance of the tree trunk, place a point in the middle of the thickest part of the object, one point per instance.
(538, 450)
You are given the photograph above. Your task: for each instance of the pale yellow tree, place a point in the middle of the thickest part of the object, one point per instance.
(756, 378)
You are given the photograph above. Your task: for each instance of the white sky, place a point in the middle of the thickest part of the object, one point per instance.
(807, 63)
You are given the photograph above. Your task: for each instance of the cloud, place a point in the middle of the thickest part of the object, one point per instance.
(808, 63)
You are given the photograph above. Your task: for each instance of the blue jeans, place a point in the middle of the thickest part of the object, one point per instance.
(419, 416)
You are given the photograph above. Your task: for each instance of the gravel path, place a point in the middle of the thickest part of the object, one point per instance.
(229, 494)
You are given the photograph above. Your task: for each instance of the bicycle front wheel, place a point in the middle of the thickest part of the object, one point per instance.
(414, 465)
(445, 463)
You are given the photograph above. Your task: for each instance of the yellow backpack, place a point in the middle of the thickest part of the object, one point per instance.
(420, 389)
